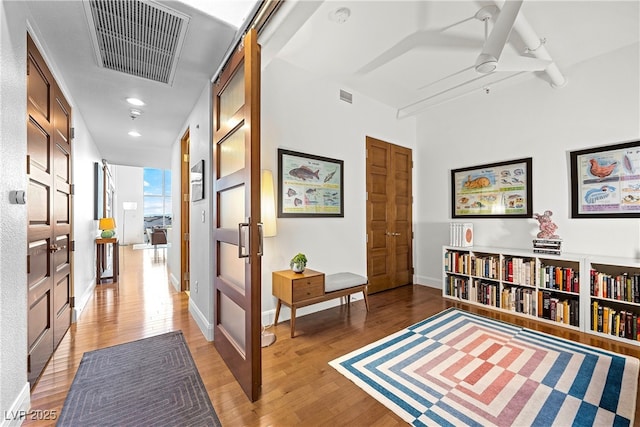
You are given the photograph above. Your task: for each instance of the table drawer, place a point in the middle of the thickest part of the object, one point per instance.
(307, 288)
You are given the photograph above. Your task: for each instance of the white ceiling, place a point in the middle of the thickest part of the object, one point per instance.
(100, 94)
(397, 52)
(401, 52)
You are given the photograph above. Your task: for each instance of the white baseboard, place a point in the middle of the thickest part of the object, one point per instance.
(174, 281)
(82, 301)
(430, 282)
(19, 409)
(205, 326)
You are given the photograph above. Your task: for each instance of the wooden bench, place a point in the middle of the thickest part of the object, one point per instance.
(311, 287)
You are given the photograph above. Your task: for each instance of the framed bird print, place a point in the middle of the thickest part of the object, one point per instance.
(309, 186)
(605, 181)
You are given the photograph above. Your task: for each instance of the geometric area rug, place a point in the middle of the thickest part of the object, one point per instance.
(149, 382)
(457, 368)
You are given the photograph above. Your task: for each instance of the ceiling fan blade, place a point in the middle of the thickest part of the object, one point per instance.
(497, 39)
(522, 63)
(427, 38)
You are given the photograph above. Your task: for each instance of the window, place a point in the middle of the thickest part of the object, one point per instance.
(157, 198)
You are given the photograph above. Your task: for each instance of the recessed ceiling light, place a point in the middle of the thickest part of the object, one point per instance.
(135, 101)
(134, 133)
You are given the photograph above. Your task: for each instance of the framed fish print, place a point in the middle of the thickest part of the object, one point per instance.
(605, 181)
(495, 190)
(309, 186)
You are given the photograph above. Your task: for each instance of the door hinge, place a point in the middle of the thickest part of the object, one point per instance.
(366, 195)
(186, 237)
(72, 133)
(72, 302)
(28, 164)
(185, 197)
(28, 363)
(186, 276)
(72, 246)
(72, 189)
(185, 158)
(28, 264)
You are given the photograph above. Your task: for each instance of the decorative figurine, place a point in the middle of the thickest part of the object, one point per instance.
(547, 227)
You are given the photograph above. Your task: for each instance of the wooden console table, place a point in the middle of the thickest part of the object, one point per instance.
(102, 272)
(306, 288)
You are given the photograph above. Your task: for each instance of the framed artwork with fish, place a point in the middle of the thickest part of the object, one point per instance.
(309, 186)
(495, 190)
(605, 181)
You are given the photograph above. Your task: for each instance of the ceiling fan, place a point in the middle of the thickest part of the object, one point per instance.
(489, 60)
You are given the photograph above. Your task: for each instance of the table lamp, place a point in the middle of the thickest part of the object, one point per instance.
(107, 225)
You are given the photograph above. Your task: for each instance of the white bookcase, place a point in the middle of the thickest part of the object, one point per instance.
(613, 297)
(551, 288)
(596, 294)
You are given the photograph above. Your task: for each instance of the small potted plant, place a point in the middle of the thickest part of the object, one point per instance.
(298, 263)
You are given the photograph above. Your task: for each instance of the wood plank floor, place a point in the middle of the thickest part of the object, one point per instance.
(299, 387)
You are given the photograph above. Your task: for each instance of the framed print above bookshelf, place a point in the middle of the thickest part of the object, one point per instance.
(605, 181)
(494, 190)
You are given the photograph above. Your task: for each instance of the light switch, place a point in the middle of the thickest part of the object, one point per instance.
(203, 216)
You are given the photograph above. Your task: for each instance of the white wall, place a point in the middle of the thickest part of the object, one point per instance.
(600, 105)
(13, 218)
(302, 112)
(14, 388)
(129, 186)
(85, 228)
(201, 259)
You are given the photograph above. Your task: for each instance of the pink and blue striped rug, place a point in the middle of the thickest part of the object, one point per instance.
(460, 369)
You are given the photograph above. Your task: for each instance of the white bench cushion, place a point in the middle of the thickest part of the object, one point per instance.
(338, 281)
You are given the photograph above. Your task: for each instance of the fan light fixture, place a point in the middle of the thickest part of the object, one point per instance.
(134, 133)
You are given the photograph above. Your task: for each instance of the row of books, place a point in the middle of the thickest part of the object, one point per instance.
(561, 278)
(542, 304)
(457, 262)
(547, 246)
(519, 270)
(622, 287)
(487, 267)
(620, 323)
(477, 291)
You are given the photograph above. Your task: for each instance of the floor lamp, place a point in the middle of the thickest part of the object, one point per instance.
(127, 206)
(267, 202)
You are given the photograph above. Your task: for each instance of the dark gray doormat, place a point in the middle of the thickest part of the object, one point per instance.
(150, 382)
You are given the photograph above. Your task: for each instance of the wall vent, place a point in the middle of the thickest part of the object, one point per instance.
(141, 38)
(346, 96)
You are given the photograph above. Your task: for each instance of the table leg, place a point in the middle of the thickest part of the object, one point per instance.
(293, 321)
(275, 322)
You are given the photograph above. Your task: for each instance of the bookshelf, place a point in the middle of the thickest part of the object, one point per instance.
(594, 294)
(544, 286)
(614, 298)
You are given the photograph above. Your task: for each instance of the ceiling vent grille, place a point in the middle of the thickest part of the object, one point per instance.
(141, 38)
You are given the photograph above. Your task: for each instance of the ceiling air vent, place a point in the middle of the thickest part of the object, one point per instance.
(346, 96)
(141, 38)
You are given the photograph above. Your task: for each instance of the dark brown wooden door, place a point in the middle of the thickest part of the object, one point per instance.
(49, 213)
(237, 231)
(389, 223)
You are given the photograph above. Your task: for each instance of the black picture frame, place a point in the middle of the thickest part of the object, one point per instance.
(197, 181)
(98, 190)
(493, 190)
(605, 181)
(309, 186)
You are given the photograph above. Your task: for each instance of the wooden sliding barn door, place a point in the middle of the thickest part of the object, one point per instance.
(48, 212)
(237, 234)
(389, 222)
